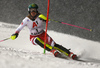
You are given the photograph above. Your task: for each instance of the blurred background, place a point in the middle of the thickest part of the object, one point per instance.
(83, 13)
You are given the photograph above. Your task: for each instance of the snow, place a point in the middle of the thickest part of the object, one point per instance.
(21, 53)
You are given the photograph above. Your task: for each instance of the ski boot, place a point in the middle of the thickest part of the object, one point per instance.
(56, 53)
(73, 56)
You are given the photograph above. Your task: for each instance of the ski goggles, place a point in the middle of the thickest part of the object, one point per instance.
(33, 10)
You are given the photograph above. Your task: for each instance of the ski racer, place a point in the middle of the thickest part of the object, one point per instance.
(34, 21)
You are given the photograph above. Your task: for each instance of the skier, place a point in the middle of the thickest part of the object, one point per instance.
(34, 21)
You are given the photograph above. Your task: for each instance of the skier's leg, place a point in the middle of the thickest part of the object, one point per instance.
(41, 43)
(65, 51)
(48, 47)
(55, 48)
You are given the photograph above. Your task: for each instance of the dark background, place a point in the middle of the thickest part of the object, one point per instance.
(83, 13)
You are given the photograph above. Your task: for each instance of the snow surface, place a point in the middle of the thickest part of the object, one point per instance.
(21, 53)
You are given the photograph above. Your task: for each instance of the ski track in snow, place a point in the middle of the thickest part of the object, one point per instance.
(17, 58)
(19, 55)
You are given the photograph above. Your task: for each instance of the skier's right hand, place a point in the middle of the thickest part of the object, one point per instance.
(14, 36)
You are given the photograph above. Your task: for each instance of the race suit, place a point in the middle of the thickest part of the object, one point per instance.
(36, 30)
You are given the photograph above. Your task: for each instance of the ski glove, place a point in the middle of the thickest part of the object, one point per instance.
(42, 17)
(14, 36)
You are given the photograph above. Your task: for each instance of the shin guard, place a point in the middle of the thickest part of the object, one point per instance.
(62, 49)
(41, 43)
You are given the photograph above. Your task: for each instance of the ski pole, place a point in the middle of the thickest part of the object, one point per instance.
(4, 39)
(72, 25)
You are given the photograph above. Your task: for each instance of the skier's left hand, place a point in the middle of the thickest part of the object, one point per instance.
(41, 16)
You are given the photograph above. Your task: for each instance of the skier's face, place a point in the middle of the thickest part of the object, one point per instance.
(33, 12)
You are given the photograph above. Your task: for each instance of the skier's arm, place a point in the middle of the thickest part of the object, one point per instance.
(15, 35)
(44, 18)
(21, 26)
